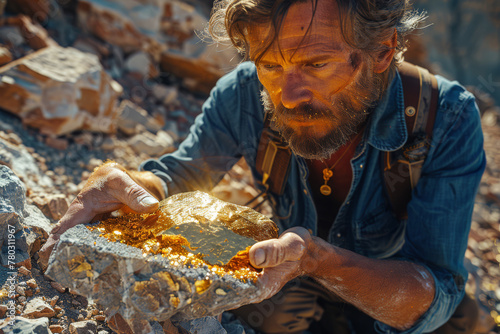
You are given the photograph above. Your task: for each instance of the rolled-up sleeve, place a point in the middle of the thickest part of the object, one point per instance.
(439, 214)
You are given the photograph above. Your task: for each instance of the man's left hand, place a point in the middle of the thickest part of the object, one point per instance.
(282, 259)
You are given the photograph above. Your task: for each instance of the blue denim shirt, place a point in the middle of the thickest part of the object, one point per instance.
(439, 214)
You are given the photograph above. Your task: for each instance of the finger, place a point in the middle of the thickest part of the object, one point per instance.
(128, 192)
(45, 251)
(270, 253)
(149, 181)
(107, 189)
(80, 211)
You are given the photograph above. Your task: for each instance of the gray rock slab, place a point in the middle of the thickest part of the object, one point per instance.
(205, 325)
(141, 287)
(23, 325)
(136, 287)
(22, 226)
(14, 248)
(12, 192)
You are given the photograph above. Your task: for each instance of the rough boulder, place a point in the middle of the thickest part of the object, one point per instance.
(24, 227)
(60, 90)
(154, 281)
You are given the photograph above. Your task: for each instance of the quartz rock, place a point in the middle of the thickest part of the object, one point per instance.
(140, 62)
(165, 94)
(52, 206)
(36, 228)
(12, 210)
(5, 56)
(132, 25)
(131, 117)
(136, 285)
(198, 68)
(24, 325)
(60, 90)
(83, 327)
(32, 33)
(151, 144)
(22, 226)
(37, 308)
(12, 192)
(56, 328)
(166, 29)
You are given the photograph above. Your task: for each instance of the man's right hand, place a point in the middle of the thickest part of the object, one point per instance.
(110, 187)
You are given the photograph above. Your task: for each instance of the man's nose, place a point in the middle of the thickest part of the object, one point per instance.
(294, 91)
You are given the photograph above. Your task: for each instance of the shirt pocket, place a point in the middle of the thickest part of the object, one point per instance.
(379, 234)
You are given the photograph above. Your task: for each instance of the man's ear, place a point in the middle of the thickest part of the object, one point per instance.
(384, 58)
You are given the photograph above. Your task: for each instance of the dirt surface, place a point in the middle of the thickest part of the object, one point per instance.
(68, 169)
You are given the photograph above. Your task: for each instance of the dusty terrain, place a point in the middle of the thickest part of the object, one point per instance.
(69, 168)
(165, 100)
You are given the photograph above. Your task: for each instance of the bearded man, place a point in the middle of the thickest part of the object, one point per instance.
(326, 72)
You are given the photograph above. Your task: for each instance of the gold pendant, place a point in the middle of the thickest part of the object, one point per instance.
(327, 174)
(325, 190)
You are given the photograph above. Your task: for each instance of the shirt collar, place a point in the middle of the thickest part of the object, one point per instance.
(387, 126)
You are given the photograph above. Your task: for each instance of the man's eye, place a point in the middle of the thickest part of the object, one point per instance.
(270, 66)
(317, 65)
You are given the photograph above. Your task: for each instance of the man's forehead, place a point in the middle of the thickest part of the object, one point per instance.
(301, 29)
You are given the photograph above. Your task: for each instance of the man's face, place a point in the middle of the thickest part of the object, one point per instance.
(318, 88)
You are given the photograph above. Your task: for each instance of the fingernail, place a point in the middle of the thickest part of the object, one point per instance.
(148, 201)
(260, 257)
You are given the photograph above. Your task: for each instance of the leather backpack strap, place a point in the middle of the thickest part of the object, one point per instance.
(403, 167)
(273, 159)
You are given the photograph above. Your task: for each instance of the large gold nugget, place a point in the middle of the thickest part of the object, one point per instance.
(194, 226)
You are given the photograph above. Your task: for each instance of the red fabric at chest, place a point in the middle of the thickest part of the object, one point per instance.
(327, 207)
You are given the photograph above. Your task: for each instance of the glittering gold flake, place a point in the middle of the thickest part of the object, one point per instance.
(4, 294)
(147, 232)
(202, 285)
(78, 265)
(174, 301)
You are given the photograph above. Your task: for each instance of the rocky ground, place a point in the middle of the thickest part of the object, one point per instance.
(157, 99)
(67, 170)
(37, 296)
(484, 239)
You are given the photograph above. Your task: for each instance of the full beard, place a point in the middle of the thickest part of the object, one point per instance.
(342, 119)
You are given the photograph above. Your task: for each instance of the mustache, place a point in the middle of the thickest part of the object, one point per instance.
(305, 111)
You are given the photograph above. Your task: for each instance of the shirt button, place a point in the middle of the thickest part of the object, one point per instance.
(305, 191)
(361, 166)
(339, 235)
